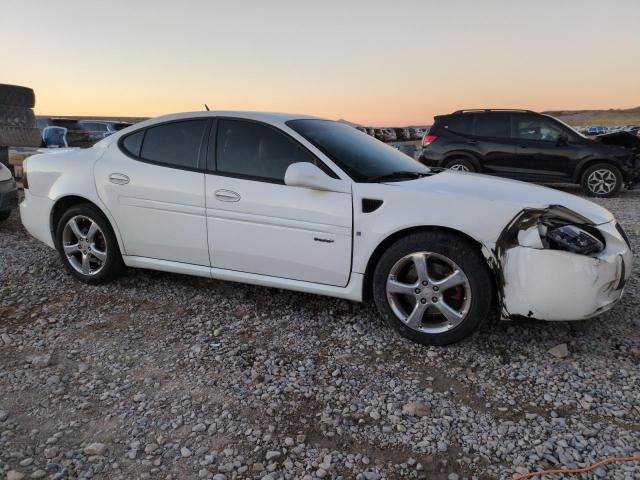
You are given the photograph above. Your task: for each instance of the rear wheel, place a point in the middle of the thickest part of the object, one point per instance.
(601, 180)
(461, 165)
(433, 288)
(87, 245)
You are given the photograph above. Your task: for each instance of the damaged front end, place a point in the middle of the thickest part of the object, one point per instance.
(631, 144)
(555, 264)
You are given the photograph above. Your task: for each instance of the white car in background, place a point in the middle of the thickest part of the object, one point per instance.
(313, 205)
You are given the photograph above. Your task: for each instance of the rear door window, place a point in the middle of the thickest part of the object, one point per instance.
(493, 125)
(175, 144)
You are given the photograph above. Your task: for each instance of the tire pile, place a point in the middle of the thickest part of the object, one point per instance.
(17, 121)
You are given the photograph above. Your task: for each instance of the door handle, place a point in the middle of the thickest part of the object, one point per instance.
(472, 142)
(227, 196)
(119, 178)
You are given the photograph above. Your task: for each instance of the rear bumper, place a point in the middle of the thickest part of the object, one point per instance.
(8, 195)
(35, 213)
(428, 161)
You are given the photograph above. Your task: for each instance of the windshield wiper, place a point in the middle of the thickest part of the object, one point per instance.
(397, 175)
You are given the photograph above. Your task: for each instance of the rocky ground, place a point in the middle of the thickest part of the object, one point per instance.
(166, 376)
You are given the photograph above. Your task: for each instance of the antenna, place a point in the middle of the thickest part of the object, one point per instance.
(207, 107)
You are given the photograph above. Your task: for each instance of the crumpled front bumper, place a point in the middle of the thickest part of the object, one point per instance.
(558, 285)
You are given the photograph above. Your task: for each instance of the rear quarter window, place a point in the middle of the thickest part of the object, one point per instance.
(458, 124)
(131, 143)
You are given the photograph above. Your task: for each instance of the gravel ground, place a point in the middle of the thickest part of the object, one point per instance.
(166, 376)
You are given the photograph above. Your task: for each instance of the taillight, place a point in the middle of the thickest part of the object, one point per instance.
(428, 139)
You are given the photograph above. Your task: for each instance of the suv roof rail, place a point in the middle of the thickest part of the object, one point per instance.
(472, 110)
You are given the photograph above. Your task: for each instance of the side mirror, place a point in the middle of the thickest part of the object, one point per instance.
(307, 175)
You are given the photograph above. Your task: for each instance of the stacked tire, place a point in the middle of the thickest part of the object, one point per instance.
(17, 121)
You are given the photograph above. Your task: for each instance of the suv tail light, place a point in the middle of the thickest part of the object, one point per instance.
(428, 139)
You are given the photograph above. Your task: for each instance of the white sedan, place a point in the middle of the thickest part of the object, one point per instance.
(307, 204)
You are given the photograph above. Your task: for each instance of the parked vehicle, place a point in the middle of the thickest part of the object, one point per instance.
(8, 193)
(389, 135)
(596, 130)
(346, 216)
(379, 134)
(76, 136)
(420, 132)
(98, 129)
(529, 146)
(402, 134)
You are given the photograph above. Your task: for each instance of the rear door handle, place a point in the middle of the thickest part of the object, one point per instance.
(119, 178)
(227, 196)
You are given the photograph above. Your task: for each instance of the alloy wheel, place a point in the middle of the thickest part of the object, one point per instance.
(459, 167)
(84, 245)
(428, 292)
(602, 181)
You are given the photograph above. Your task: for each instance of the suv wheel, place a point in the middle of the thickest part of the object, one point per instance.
(601, 180)
(460, 164)
(87, 245)
(433, 288)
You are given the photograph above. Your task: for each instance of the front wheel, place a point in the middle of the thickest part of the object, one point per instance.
(601, 180)
(433, 287)
(87, 245)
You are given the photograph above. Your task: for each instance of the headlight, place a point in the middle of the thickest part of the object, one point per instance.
(573, 239)
(553, 228)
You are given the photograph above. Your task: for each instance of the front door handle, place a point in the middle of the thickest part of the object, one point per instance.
(119, 178)
(227, 196)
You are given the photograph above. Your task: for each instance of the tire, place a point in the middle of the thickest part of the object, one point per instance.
(20, 137)
(103, 241)
(471, 300)
(17, 96)
(17, 117)
(601, 180)
(461, 165)
(4, 215)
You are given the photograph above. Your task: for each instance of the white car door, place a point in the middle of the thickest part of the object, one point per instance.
(259, 225)
(152, 182)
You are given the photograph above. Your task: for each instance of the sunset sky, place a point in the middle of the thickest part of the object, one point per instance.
(372, 62)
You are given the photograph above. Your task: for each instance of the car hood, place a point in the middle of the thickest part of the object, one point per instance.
(620, 139)
(502, 191)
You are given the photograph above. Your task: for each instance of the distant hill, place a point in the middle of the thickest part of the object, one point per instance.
(611, 117)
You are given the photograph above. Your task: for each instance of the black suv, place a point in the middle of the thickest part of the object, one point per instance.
(530, 146)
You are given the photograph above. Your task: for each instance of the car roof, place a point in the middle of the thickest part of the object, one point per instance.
(267, 117)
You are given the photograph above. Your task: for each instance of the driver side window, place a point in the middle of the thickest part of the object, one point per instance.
(251, 150)
(536, 128)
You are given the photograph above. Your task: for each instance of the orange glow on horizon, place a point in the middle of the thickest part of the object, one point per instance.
(375, 64)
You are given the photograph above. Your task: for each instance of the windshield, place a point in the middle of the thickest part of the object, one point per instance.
(362, 157)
